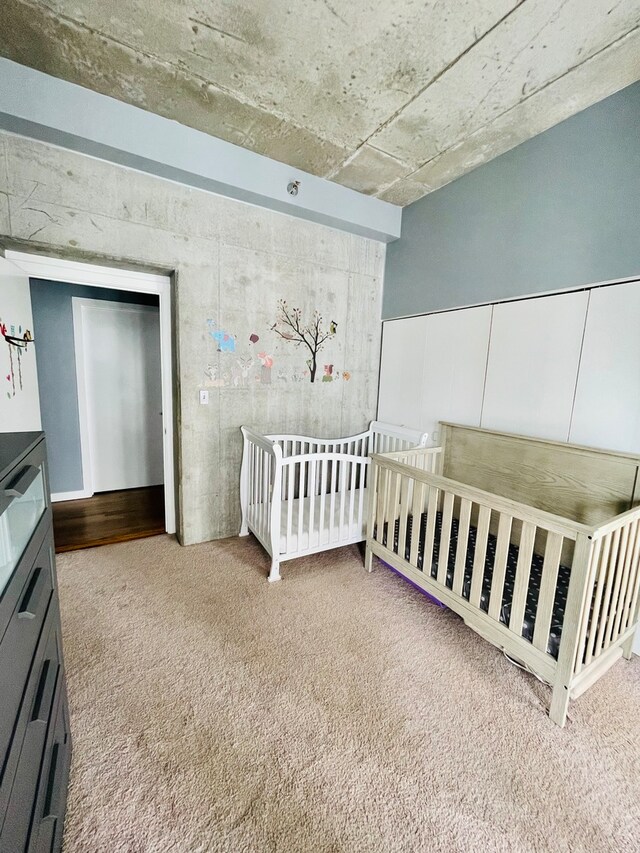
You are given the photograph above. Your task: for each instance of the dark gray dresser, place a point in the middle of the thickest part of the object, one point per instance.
(35, 744)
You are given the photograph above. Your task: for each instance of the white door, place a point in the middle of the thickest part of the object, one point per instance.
(402, 363)
(19, 400)
(607, 407)
(455, 359)
(119, 376)
(533, 365)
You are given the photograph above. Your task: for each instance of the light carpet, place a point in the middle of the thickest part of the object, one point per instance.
(334, 711)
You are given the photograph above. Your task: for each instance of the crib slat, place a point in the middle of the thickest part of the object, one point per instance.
(548, 585)
(523, 572)
(381, 502)
(342, 502)
(312, 497)
(461, 545)
(332, 500)
(394, 507)
(602, 569)
(404, 514)
(418, 505)
(301, 486)
(290, 493)
(361, 526)
(620, 568)
(636, 588)
(633, 580)
(259, 488)
(626, 579)
(430, 532)
(594, 562)
(613, 556)
(265, 490)
(322, 497)
(480, 555)
(445, 538)
(500, 565)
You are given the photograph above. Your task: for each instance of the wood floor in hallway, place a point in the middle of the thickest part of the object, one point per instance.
(108, 517)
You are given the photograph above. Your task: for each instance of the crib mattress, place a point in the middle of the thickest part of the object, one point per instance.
(339, 530)
(533, 593)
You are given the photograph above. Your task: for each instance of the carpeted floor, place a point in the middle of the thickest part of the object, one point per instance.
(334, 711)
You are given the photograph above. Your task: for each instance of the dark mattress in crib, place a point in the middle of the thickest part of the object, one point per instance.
(533, 592)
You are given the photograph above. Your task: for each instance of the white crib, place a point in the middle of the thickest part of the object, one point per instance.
(300, 495)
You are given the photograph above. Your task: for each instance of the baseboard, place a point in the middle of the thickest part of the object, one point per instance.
(70, 496)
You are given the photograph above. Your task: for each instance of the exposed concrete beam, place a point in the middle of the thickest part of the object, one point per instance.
(42, 107)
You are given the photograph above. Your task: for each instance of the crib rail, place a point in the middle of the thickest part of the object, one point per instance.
(260, 487)
(299, 445)
(610, 610)
(324, 501)
(412, 517)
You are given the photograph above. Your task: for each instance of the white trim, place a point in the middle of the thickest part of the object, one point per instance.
(73, 272)
(69, 496)
(81, 389)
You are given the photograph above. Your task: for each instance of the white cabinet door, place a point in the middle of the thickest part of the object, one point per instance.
(533, 365)
(607, 407)
(399, 397)
(455, 360)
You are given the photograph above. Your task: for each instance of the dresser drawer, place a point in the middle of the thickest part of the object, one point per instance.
(20, 639)
(30, 777)
(48, 818)
(37, 700)
(23, 502)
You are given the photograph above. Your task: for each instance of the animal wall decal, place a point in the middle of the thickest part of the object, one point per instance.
(290, 326)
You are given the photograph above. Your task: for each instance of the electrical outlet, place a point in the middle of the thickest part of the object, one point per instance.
(204, 397)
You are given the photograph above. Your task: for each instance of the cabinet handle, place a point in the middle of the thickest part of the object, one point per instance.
(33, 594)
(44, 693)
(53, 785)
(25, 478)
(18, 487)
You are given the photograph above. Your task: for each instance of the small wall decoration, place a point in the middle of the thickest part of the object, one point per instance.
(290, 326)
(226, 342)
(17, 341)
(242, 366)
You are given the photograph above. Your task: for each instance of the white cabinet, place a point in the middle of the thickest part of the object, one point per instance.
(533, 365)
(401, 372)
(455, 361)
(433, 369)
(607, 406)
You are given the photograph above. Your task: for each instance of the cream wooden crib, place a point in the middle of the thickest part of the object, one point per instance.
(300, 495)
(542, 542)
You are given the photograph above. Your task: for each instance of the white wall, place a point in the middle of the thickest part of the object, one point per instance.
(19, 401)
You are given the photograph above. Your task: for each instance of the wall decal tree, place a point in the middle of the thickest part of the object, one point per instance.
(291, 327)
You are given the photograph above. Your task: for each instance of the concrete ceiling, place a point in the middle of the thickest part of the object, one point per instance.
(392, 99)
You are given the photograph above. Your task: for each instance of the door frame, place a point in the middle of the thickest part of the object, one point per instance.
(74, 272)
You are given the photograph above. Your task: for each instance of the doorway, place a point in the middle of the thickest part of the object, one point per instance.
(122, 408)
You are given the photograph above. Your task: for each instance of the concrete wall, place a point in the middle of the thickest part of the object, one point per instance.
(232, 264)
(559, 211)
(53, 328)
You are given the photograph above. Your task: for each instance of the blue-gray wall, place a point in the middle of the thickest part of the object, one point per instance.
(558, 211)
(56, 360)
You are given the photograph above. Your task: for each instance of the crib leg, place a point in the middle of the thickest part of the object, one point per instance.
(274, 574)
(244, 528)
(627, 648)
(559, 704)
(368, 558)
